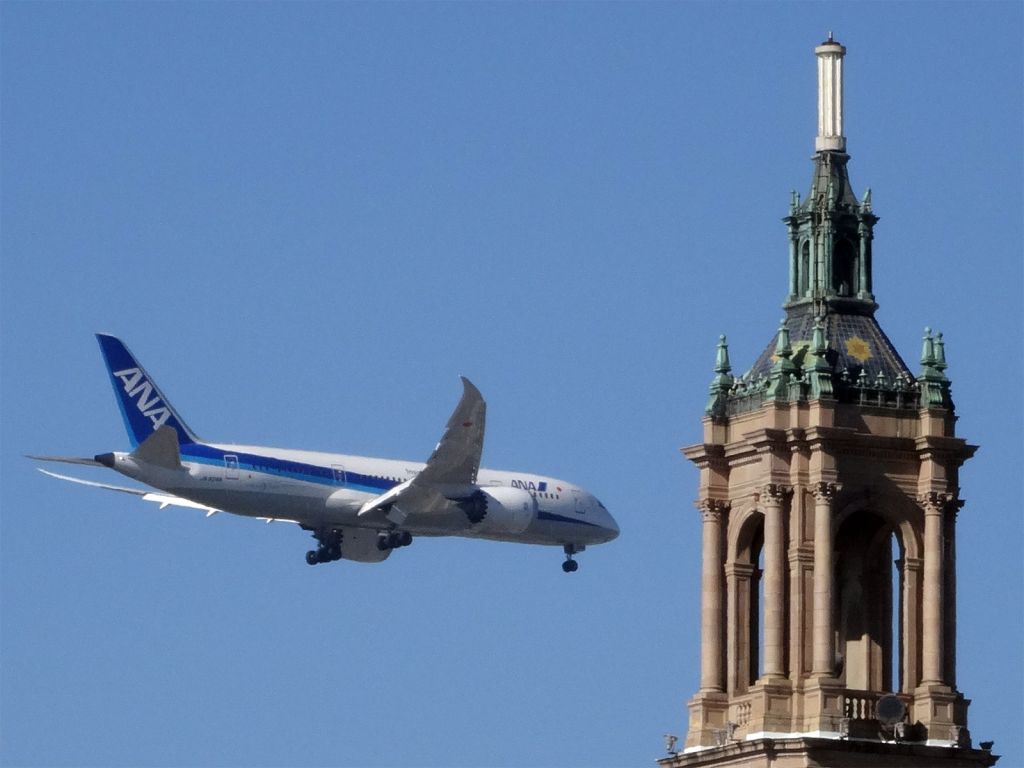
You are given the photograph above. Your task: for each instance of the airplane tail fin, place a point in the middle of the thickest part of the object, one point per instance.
(143, 406)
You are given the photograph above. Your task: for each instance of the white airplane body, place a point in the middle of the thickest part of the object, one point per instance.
(358, 508)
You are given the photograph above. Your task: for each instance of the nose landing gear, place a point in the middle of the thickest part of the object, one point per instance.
(570, 565)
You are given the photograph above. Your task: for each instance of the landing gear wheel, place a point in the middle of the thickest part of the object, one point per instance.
(328, 549)
(570, 565)
(393, 540)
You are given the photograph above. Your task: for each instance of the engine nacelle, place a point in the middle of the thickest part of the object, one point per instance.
(360, 544)
(498, 509)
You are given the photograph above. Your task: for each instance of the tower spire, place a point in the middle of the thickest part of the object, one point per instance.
(830, 232)
(830, 96)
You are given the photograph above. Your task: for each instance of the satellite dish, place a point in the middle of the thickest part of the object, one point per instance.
(890, 710)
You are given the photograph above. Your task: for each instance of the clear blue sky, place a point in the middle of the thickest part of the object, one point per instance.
(308, 219)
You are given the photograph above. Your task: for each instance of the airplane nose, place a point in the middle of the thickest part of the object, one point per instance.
(612, 528)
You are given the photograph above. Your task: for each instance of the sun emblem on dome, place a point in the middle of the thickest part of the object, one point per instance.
(858, 349)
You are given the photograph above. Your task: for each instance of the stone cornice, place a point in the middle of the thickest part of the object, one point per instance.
(814, 750)
(944, 447)
(704, 454)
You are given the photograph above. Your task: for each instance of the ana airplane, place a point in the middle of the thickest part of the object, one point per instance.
(357, 508)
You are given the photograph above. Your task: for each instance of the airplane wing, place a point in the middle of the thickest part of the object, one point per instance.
(456, 458)
(163, 499)
(454, 462)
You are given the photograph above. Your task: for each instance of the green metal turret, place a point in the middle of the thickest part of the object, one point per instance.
(829, 345)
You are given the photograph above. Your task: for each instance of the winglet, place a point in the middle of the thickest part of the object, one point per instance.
(456, 458)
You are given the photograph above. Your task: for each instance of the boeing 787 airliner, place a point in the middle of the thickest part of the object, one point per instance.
(357, 508)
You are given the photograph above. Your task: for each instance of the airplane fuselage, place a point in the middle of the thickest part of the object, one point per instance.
(325, 490)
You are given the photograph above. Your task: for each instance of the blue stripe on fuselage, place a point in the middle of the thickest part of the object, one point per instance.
(552, 517)
(295, 470)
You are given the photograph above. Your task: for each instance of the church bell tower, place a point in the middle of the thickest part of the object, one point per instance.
(829, 496)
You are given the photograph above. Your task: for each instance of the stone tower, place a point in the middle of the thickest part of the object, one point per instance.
(829, 496)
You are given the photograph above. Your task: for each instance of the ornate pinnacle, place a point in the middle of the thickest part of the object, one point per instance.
(940, 353)
(782, 345)
(820, 372)
(782, 371)
(933, 382)
(927, 349)
(721, 383)
(722, 356)
(818, 345)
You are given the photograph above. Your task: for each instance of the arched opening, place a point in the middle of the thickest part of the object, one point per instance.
(896, 649)
(844, 271)
(869, 605)
(745, 605)
(805, 269)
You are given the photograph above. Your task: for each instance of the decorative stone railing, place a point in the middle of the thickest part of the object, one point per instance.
(744, 395)
(863, 705)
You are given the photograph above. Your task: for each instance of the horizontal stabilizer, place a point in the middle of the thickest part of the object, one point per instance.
(66, 460)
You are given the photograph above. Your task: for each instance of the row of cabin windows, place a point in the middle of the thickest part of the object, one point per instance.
(321, 472)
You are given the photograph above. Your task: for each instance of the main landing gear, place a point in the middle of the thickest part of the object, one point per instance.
(570, 565)
(328, 549)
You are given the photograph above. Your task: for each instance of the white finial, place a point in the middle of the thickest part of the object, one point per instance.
(830, 96)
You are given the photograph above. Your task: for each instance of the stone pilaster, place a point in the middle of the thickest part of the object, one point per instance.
(824, 656)
(772, 499)
(712, 629)
(932, 666)
(709, 708)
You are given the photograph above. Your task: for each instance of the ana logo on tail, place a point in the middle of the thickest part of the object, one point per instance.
(149, 403)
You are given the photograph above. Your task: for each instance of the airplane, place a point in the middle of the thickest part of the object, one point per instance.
(357, 508)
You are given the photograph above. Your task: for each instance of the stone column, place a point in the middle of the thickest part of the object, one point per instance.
(863, 267)
(794, 268)
(712, 585)
(740, 584)
(911, 633)
(812, 279)
(932, 607)
(772, 497)
(824, 656)
(949, 609)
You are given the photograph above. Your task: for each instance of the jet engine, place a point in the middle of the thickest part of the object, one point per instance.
(498, 509)
(360, 544)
